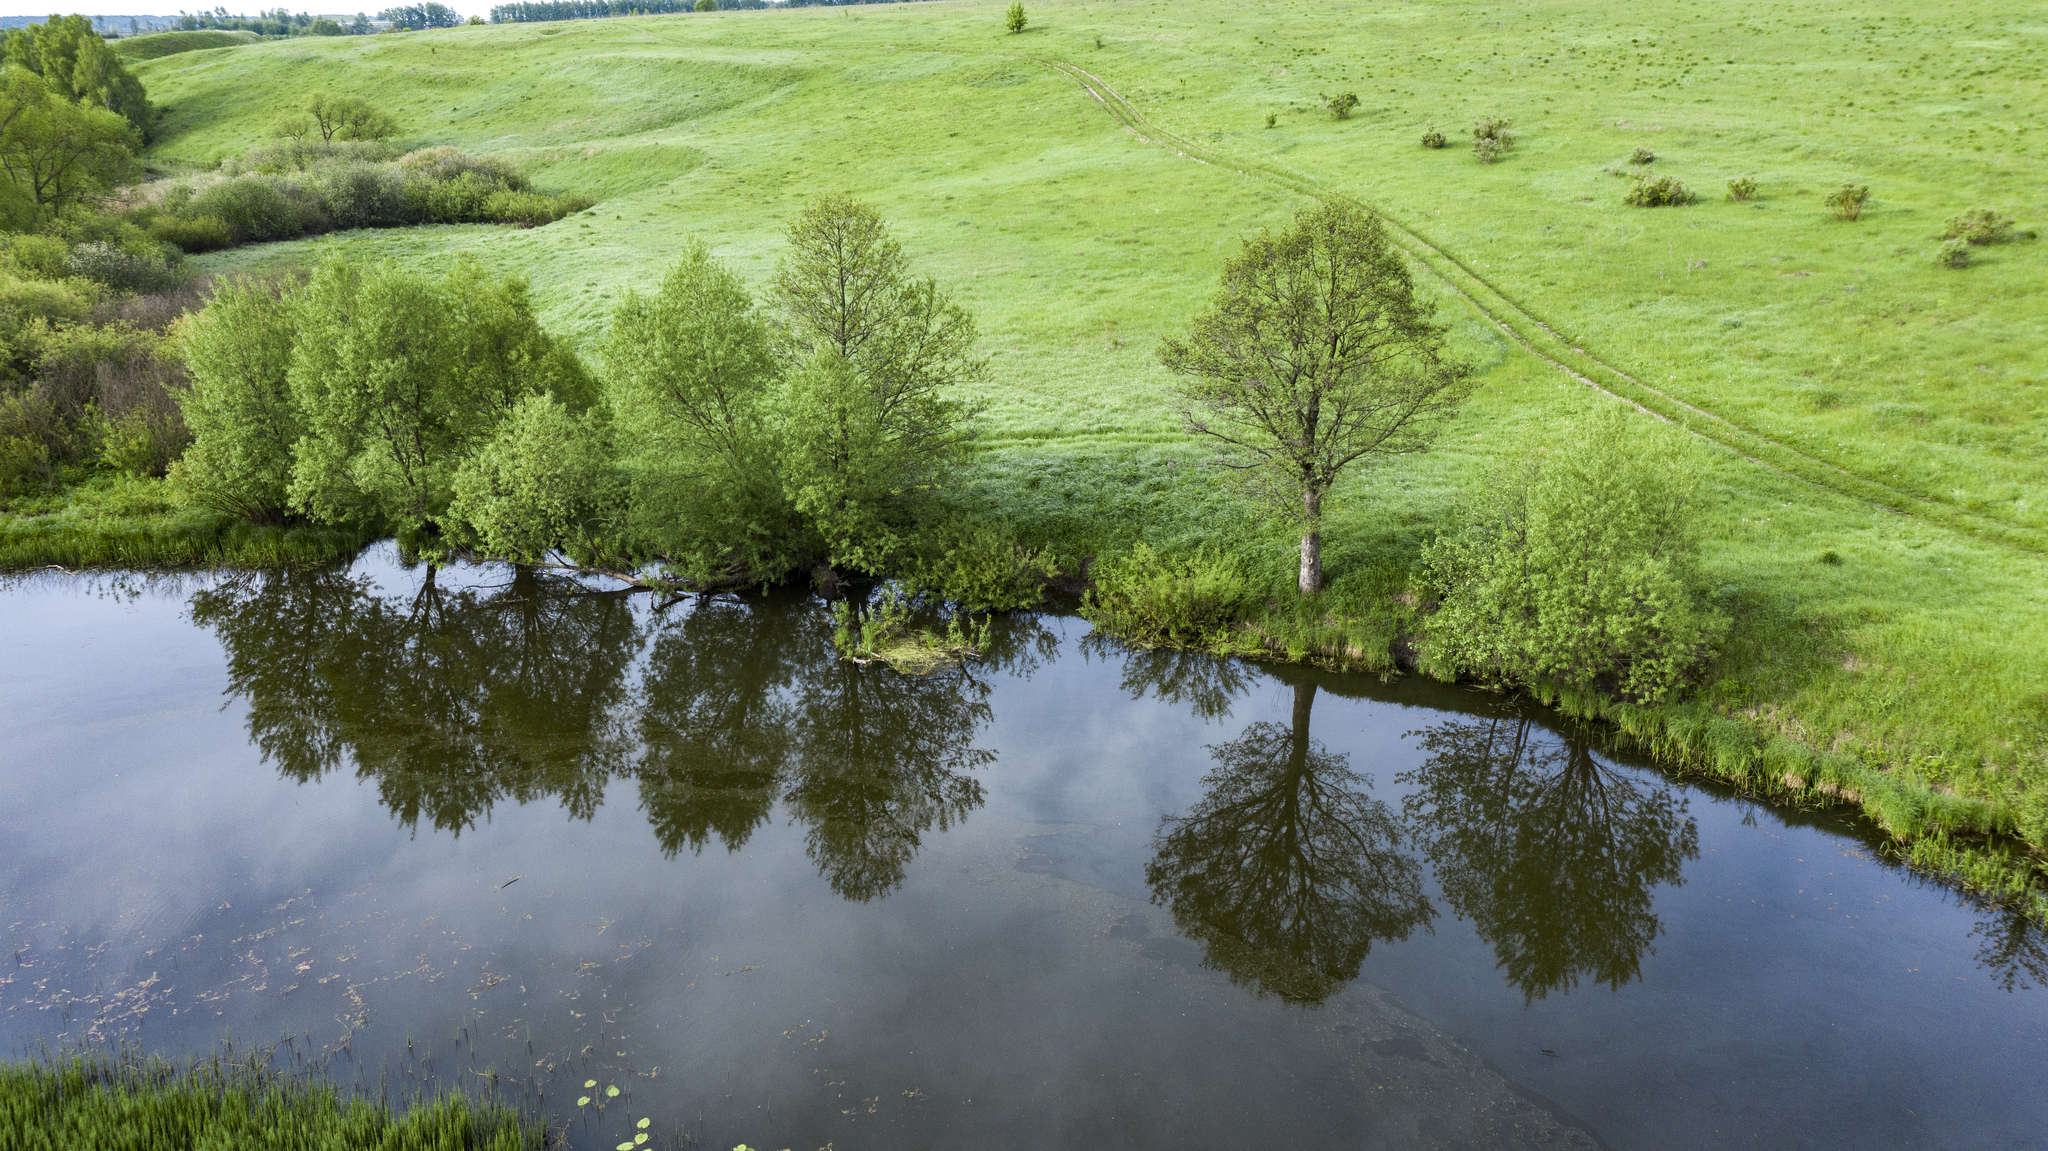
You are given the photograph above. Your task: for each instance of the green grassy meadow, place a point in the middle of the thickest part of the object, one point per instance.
(1857, 400)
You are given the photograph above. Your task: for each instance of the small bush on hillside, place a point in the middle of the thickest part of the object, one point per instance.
(1433, 138)
(129, 272)
(445, 163)
(1014, 19)
(980, 566)
(1953, 254)
(298, 155)
(1979, 226)
(1658, 192)
(531, 210)
(361, 195)
(254, 208)
(195, 234)
(1341, 105)
(1641, 156)
(1491, 139)
(1846, 202)
(1272, 119)
(1742, 188)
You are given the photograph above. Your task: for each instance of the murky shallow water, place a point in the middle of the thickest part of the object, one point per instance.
(1077, 897)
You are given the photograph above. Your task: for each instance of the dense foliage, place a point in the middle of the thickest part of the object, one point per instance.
(1576, 564)
(725, 445)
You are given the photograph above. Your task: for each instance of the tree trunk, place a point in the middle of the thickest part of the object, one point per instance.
(1312, 544)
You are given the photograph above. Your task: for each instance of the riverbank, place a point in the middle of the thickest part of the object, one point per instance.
(126, 1102)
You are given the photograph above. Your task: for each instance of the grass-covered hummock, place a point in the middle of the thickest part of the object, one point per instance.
(1876, 507)
(122, 1103)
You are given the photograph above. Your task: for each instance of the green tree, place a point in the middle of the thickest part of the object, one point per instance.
(403, 381)
(707, 5)
(1014, 18)
(80, 68)
(872, 420)
(1578, 565)
(348, 118)
(57, 152)
(542, 482)
(1315, 354)
(239, 408)
(691, 379)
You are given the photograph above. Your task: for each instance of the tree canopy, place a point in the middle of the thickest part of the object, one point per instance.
(1316, 353)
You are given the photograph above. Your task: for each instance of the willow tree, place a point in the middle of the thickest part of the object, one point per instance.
(1315, 354)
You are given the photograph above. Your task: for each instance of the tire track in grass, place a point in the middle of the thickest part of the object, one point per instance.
(1502, 310)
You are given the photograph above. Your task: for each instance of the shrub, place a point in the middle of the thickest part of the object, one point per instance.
(254, 208)
(1641, 156)
(1496, 132)
(1014, 19)
(459, 201)
(1979, 226)
(360, 195)
(1272, 119)
(1658, 191)
(980, 566)
(298, 155)
(105, 264)
(194, 234)
(1341, 105)
(42, 257)
(707, 5)
(445, 163)
(530, 209)
(1846, 202)
(1577, 566)
(1149, 598)
(1953, 254)
(1742, 188)
(1432, 138)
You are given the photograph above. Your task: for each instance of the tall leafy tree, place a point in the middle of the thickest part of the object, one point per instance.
(692, 383)
(1315, 354)
(880, 355)
(240, 409)
(403, 381)
(57, 152)
(79, 67)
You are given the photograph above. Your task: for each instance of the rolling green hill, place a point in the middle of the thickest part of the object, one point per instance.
(1079, 185)
(171, 43)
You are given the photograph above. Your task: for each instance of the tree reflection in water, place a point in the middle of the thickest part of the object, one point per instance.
(1552, 855)
(454, 700)
(2015, 947)
(1287, 872)
(451, 700)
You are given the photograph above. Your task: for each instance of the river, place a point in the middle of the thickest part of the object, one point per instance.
(518, 834)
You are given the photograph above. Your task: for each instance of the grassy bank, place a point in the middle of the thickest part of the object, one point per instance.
(1875, 522)
(122, 520)
(121, 1103)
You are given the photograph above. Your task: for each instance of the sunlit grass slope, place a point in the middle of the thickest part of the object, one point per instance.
(1871, 381)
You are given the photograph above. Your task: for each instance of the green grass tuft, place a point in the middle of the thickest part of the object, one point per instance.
(123, 1103)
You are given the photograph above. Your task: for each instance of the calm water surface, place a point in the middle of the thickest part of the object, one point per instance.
(1076, 896)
